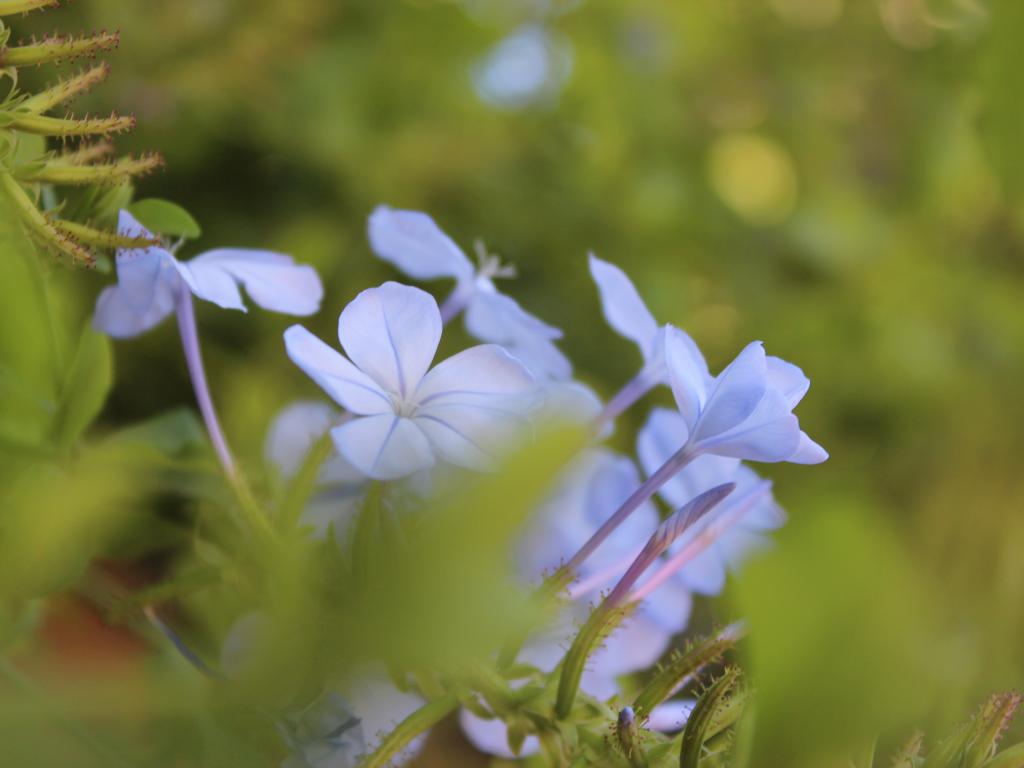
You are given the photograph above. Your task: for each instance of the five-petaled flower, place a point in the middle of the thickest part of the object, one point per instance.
(462, 411)
(150, 279)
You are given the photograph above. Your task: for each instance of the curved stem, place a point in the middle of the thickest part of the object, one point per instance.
(605, 575)
(667, 471)
(636, 388)
(194, 359)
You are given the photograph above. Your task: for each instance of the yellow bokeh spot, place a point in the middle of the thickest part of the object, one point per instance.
(754, 176)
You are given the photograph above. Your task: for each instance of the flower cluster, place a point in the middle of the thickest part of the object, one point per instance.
(407, 424)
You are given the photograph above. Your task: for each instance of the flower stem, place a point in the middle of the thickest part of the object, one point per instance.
(704, 539)
(636, 388)
(194, 359)
(455, 303)
(667, 532)
(667, 471)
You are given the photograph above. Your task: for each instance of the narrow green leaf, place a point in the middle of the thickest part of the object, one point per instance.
(165, 218)
(85, 388)
(1012, 757)
(701, 718)
(601, 623)
(677, 670)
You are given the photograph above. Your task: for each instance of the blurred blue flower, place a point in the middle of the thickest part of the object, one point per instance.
(149, 280)
(416, 245)
(463, 410)
(529, 66)
(324, 735)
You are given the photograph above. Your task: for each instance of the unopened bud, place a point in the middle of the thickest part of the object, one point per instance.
(628, 732)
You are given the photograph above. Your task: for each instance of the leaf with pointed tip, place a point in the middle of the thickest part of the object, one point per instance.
(85, 388)
(165, 218)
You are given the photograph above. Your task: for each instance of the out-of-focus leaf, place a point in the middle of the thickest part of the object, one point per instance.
(450, 588)
(838, 640)
(165, 218)
(170, 432)
(28, 368)
(444, 596)
(1002, 80)
(85, 388)
(54, 516)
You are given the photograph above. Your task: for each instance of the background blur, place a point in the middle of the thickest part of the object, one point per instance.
(842, 179)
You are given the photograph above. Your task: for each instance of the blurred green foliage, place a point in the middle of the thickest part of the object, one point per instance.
(841, 178)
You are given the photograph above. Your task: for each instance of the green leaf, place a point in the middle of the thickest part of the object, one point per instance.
(55, 516)
(1001, 77)
(171, 432)
(85, 388)
(1011, 757)
(29, 359)
(838, 621)
(165, 218)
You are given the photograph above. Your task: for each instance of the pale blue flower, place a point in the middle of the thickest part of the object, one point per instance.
(416, 245)
(466, 409)
(746, 412)
(660, 438)
(150, 279)
(627, 314)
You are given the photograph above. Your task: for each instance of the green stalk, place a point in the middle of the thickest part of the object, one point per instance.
(57, 126)
(66, 89)
(39, 225)
(73, 173)
(55, 48)
(11, 7)
(419, 721)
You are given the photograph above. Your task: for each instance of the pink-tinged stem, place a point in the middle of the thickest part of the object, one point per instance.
(194, 360)
(668, 470)
(704, 539)
(667, 532)
(603, 576)
(636, 388)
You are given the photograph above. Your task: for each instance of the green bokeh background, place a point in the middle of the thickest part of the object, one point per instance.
(842, 179)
